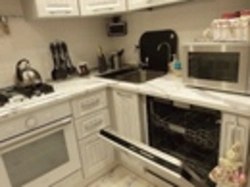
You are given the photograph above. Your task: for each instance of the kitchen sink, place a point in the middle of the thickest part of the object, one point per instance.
(133, 75)
(117, 73)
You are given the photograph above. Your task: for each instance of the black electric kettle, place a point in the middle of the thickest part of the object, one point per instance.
(26, 75)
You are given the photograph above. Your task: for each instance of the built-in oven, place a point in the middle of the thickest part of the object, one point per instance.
(181, 146)
(38, 149)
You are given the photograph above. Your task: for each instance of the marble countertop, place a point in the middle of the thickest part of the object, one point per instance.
(172, 88)
(64, 90)
(168, 87)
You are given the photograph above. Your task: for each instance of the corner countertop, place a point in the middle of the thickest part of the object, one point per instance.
(168, 87)
(172, 88)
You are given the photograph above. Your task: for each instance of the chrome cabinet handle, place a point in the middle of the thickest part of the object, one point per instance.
(94, 125)
(60, 12)
(124, 94)
(90, 104)
(103, 9)
(59, 9)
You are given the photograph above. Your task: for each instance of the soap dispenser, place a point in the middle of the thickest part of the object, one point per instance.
(175, 66)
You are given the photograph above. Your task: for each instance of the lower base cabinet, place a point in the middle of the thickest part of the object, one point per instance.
(96, 155)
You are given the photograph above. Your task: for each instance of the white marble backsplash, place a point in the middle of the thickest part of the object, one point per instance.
(30, 39)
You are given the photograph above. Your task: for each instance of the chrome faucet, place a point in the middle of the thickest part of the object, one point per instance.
(159, 46)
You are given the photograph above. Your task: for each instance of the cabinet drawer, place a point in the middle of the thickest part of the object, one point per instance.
(89, 103)
(50, 8)
(92, 123)
(100, 7)
(33, 120)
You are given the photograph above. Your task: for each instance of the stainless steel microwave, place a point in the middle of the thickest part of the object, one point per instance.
(220, 66)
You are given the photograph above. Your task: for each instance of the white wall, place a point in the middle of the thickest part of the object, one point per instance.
(187, 19)
(30, 39)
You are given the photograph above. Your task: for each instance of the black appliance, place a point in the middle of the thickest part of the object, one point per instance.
(22, 93)
(34, 90)
(117, 27)
(186, 132)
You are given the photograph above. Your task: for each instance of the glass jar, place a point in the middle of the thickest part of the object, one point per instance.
(245, 25)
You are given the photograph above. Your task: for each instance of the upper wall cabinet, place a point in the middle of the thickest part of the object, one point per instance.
(50, 8)
(142, 4)
(100, 7)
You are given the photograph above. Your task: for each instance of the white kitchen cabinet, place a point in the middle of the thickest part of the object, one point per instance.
(142, 4)
(91, 114)
(235, 129)
(50, 8)
(92, 123)
(99, 7)
(89, 103)
(128, 122)
(127, 114)
(96, 155)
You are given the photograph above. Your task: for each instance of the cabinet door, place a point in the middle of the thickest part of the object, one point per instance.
(127, 120)
(98, 7)
(127, 114)
(138, 4)
(235, 128)
(50, 8)
(141, 4)
(96, 155)
(242, 134)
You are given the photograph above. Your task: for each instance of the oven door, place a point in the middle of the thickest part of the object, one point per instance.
(171, 171)
(41, 157)
(216, 66)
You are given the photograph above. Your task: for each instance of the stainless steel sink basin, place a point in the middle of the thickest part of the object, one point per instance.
(133, 75)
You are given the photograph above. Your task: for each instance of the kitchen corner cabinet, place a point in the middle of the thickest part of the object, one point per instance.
(142, 4)
(50, 8)
(99, 7)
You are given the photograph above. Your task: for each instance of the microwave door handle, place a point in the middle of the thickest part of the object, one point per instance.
(168, 162)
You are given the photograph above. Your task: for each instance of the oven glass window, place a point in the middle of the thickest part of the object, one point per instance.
(189, 134)
(214, 66)
(35, 159)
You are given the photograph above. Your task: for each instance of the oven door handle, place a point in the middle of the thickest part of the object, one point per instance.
(161, 160)
(36, 130)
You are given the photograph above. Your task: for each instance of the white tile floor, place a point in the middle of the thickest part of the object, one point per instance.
(120, 177)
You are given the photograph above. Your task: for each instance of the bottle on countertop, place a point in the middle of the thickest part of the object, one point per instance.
(102, 63)
(175, 66)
